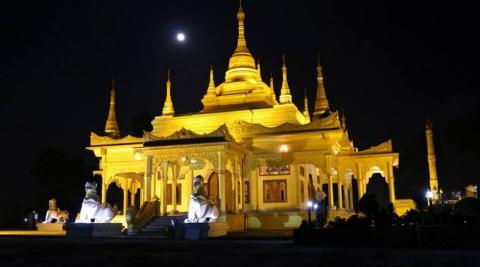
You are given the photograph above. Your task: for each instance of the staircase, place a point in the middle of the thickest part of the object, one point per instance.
(158, 225)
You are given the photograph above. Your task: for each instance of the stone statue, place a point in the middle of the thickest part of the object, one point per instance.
(201, 209)
(92, 210)
(54, 214)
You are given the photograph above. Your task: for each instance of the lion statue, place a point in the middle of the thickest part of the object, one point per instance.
(201, 208)
(92, 210)
(55, 214)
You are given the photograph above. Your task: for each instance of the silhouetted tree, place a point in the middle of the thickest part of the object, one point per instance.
(58, 175)
(368, 204)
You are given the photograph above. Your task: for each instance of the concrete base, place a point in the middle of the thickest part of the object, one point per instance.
(217, 229)
(89, 230)
(50, 227)
(196, 231)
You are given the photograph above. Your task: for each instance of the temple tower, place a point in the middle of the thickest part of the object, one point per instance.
(321, 102)
(111, 126)
(168, 105)
(305, 108)
(272, 92)
(285, 96)
(432, 166)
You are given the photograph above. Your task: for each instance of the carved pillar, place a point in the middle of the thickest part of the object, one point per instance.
(163, 196)
(125, 196)
(132, 196)
(147, 178)
(346, 197)
(340, 195)
(102, 166)
(330, 191)
(391, 183)
(360, 180)
(174, 190)
(104, 190)
(221, 185)
(350, 192)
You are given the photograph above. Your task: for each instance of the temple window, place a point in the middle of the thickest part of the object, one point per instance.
(275, 191)
(274, 170)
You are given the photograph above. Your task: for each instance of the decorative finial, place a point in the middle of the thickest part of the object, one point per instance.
(111, 126)
(321, 102)
(272, 92)
(168, 105)
(211, 84)
(306, 113)
(259, 70)
(285, 96)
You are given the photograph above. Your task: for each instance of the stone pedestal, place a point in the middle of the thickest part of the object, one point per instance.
(90, 230)
(55, 227)
(217, 229)
(196, 231)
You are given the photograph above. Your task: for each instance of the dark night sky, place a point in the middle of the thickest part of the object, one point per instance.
(387, 63)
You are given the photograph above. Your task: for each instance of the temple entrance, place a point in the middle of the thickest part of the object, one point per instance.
(354, 193)
(115, 195)
(378, 186)
(212, 187)
(228, 192)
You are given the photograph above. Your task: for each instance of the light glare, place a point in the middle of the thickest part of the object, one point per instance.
(180, 37)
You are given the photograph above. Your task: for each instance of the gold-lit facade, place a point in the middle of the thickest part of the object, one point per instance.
(262, 158)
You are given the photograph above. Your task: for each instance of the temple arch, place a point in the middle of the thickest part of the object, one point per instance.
(377, 184)
(212, 186)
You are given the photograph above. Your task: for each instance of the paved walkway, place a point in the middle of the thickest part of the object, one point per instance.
(37, 251)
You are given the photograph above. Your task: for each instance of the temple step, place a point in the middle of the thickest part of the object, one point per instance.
(158, 226)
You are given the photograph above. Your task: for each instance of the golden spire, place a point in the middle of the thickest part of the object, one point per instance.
(168, 105)
(432, 166)
(305, 107)
(211, 84)
(285, 96)
(272, 93)
(321, 101)
(241, 58)
(259, 70)
(111, 126)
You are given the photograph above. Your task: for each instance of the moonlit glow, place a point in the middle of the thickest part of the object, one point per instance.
(180, 37)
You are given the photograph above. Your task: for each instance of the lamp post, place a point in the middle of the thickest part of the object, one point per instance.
(429, 196)
(309, 205)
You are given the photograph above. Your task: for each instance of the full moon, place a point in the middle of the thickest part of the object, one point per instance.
(180, 37)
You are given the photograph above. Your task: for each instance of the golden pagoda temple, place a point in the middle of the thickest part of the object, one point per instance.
(262, 158)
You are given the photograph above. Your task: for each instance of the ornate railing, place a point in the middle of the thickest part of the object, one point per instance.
(147, 211)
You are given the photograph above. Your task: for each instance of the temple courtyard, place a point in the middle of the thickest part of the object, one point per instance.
(42, 251)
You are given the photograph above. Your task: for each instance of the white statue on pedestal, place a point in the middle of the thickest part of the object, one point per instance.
(201, 208)
(54, 214)
(92, 210)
